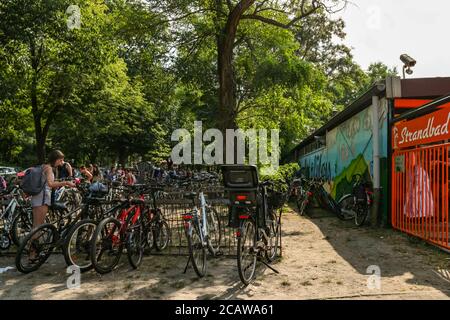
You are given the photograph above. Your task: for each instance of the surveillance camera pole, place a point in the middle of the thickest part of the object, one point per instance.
(404, 74)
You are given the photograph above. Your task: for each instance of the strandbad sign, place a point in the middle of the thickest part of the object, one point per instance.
(430, 128)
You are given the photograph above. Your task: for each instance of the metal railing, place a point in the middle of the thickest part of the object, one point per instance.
(420, 193)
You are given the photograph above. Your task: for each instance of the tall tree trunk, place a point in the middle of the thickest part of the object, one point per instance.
(227, 85)
(40, 135)
(122, 158)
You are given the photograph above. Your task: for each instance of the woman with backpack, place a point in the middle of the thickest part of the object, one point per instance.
(42, 200)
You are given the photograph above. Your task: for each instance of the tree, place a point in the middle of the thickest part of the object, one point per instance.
(55, 60)
(225, 18)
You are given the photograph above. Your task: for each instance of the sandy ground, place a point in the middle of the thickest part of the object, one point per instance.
(323, 258)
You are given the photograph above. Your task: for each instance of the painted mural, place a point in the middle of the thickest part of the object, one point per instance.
(348, 152)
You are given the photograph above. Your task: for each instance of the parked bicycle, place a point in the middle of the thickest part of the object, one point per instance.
(39, 244)
(97, 206)
(202, 227)
(15, 217)
(357, 204)
(126, 229)
(156, 229)
(257, 221)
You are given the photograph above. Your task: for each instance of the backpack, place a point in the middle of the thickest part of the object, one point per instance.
(34, 181)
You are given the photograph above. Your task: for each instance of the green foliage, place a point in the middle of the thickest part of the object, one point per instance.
(284, 175)
(115, 89)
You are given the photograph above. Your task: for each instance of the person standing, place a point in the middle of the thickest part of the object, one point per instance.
(96, 174)
(86, 174)
(42, 200)
(64, 171)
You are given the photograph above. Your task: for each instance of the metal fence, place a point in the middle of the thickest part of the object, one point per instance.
(173, 205)
(420, 199)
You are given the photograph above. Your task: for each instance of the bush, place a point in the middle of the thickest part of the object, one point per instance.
(284, 175)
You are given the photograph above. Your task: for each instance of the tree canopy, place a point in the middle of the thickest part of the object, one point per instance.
(112, 83)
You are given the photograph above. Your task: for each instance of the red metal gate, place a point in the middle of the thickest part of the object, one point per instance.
(420, 177)
(420, 193)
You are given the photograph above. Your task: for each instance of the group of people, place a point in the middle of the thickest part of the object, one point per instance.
(58, 173)
(92, 173)
(126, 176)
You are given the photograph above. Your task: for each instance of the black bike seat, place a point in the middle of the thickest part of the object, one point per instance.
(59, 206)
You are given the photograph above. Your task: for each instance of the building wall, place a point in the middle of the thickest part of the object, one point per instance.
(349, 151)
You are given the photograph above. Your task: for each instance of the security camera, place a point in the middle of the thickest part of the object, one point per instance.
(407, 60)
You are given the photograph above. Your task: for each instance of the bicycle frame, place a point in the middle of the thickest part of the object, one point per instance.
(10, 211)
(200, 222)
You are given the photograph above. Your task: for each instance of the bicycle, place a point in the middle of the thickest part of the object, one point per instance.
(16, 210)
(39, 244)
(156, 228)
(69, 196)
(202, 228)
(357, 204)
(114, 233)
(323, 198)
(76, 249)
(257, 223)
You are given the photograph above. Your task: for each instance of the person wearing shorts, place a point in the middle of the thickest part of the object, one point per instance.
(42, 201)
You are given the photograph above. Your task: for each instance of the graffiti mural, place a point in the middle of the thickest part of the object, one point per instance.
(348, 152)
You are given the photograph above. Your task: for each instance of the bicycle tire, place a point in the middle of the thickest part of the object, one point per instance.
(84, 247)
(361, 215)
(197, 251)
(5, 240)
(244, 250)
(347, 203)
(274, 233)
(135, 244)
(214, 230)
(21, 221)
(162, 235)
(108, 239)
(43, 250)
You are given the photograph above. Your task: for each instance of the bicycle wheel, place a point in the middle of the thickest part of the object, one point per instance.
(21, 227)
(348, 207)
(273, 234)
(214, 230)
(246, 251)
(77, 247)
(135, 244)
(150, 236)
(161, 234)
(298, 202)
(107, 245)
(36, 248)
(362, 212)
(5, 241)
(197, 251)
